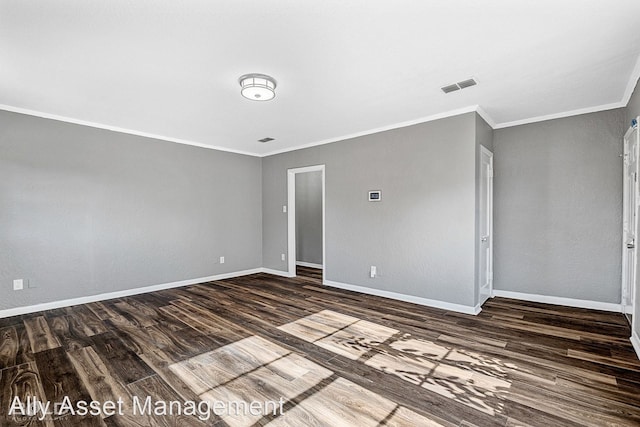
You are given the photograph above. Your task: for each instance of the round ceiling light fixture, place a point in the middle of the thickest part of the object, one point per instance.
(257, 87)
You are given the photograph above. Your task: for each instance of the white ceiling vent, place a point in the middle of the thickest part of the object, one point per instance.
(460, 85)
(450, 88)
(467, 83)
(267, 139)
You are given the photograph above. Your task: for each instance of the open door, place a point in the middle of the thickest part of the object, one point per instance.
(292, 221)
(485, 245)
(630, 220)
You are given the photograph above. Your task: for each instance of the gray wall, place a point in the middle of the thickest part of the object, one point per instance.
(558, 198)
(484, 137)
(420, 236)
(309, 217)
(85, 211)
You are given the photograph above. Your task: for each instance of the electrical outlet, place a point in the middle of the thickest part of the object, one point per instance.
(283, 257)
(18, 285)
(373, 272)
(221, 260)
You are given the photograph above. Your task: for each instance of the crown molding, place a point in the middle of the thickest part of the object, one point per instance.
(56, 117)
(451, 113)
(560, 115)
(631, 85)
(485, 116)
(628, 92)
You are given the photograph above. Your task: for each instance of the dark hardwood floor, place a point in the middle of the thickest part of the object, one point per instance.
(337, 358)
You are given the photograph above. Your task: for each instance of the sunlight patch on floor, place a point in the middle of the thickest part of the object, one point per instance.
(255, 369)
(345, 404)
(458, 374)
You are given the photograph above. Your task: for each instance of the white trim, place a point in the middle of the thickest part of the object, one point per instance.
(633, 80)
(629, 279)
(276, 272)
(561, 115)
(629, 131)
(452, 113)
(119, 294)
(485, 151)
(291, 215)
(487, 118)
(324, 224)
(309, 264)
(569, 302)
(291, 222)
(120, 130)
(96, 125)
(314, 168)
(466, 309)
(635, 342)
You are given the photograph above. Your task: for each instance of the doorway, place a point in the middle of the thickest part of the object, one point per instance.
(485, 232)
(306, 215)
(630, 220)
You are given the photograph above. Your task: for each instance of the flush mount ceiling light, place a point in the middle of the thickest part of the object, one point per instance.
(257, 87)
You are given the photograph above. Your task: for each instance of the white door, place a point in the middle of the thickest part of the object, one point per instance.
(629, 219)
(485, 262)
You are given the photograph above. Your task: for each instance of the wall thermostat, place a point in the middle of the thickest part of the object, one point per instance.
(375, 196)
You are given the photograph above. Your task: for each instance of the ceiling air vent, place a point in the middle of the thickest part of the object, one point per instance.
(467, 83)
(460, 85)
(450, 88)
(267, 139)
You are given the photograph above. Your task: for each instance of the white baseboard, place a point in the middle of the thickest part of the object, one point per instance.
(635, 341)
(569, 302)
(309, 264)
(276, 272)
(119, 294)
(466, 309)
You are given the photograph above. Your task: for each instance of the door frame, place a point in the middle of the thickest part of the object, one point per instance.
(625, 172)
(291, 217)
(489, 153)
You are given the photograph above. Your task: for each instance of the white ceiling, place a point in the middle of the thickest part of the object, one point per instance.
(169, 68)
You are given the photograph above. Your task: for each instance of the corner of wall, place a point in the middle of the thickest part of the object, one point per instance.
(635, 342)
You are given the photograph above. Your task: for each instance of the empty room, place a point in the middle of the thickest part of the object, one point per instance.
(319, 213)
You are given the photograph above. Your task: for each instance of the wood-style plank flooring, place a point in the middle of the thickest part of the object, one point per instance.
(336, 358)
